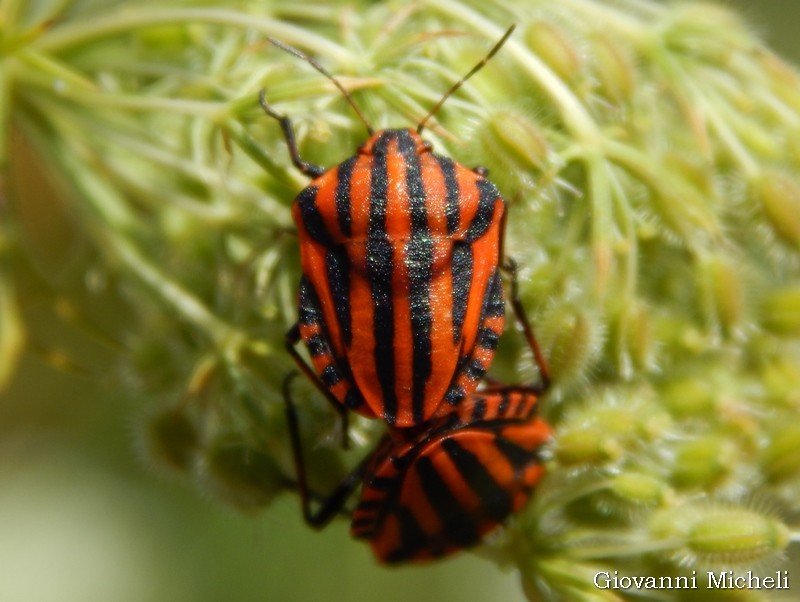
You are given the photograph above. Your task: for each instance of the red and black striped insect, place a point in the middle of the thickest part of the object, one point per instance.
(401, 307)
(441, 490)
(401, 302)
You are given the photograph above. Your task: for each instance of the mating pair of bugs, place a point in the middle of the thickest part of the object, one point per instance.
(401, 306)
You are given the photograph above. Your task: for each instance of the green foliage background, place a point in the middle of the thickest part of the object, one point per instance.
(111, 370)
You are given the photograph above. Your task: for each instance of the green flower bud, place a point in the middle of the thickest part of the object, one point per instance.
(171, 440)
(571, 340)
(631, 338)
(683, 209)
(706, 32)
(639, 489)
(553, 45)
(240, 474)
(603, 431)
(703, 462)
(778, 196)
(621, 499)
(781, 379)
(614, 70)
(691, 396)
(715, 532)
(780, 311)
(513, 143)
(555, 578)
(721, 292)
(780, 459)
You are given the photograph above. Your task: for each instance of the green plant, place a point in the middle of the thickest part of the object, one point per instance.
(649, 153)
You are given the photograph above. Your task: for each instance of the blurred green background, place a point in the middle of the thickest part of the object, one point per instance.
(776, 23)
(83, 519)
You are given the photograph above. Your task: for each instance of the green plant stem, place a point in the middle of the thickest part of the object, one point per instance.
(125, 21)
(108, 234)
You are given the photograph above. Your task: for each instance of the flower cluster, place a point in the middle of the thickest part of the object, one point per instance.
(649, 154)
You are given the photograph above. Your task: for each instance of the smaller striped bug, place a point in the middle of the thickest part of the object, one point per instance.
(441, 491)
(428, 493)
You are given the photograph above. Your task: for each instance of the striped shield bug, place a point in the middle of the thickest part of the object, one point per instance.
(401, 301)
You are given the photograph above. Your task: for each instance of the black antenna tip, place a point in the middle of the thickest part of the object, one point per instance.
(469, 74)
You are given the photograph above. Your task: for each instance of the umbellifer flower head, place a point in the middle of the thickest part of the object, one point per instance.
(649, 154)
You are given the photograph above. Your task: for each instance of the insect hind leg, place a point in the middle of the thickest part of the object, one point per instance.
(334, 503)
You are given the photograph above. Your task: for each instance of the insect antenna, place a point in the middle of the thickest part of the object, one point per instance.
(311, 61)
(460, 82)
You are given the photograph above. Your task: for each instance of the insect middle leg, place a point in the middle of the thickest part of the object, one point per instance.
(333, 503)
(509, 266)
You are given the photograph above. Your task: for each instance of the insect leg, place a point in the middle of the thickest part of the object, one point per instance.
(331, 505)
(311, 170)
(510, 267)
